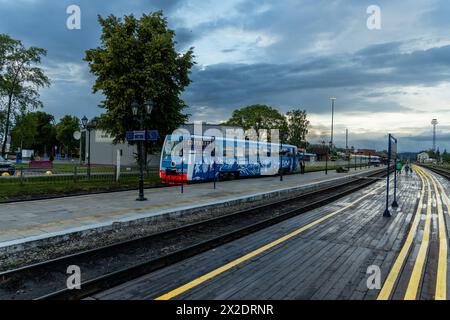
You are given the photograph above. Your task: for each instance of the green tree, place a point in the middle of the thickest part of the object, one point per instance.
(36, 131)
(321, 150)
(24, 132)
(137, 60)
(298, 127)
(20, 79)
(258, 117)
(64, 132)
(446, 156)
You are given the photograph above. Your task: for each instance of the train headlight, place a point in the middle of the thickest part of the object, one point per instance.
(173, 163)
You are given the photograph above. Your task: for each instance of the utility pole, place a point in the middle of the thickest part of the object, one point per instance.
(434, 123)
(347, 151)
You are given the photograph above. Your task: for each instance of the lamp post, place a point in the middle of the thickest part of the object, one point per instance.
(214, 163)
(333, 99)
(326, 156)
(352, 152)
(282, 137)
(88, 126)
(140, 115)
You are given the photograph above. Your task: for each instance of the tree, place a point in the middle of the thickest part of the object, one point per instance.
(321, 150)
(20, 79)
(137, 60)
(24, 132)
(36, 131)
(298, 127)
(446, 156)
(258, 117)
(64, 132)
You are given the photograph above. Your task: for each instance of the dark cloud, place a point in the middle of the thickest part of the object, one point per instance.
(226, 85)
(322, 49)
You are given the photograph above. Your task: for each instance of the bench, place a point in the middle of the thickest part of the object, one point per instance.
(342, 170)
(40, 164)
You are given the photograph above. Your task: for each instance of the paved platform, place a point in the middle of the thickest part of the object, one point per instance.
(31, 220)
(327, 253)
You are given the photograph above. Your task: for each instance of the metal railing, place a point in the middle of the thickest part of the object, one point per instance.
(72, 173)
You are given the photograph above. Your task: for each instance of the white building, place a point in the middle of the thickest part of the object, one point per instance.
(104, 151)
(423, 157)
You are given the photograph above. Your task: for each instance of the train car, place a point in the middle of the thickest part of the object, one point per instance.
(375, 161)
(200, 158)
(372, 160)
(307, 157)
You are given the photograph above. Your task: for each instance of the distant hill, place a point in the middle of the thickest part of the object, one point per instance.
(407, 155)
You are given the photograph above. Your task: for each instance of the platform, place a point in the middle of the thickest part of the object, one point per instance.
(58, 221)
(327, 253)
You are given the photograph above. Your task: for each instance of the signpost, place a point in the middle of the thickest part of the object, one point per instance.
(392, 153)
(141, 136)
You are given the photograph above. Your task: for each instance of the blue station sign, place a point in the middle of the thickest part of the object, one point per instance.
(142, 135)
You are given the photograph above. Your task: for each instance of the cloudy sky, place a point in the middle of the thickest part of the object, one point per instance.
(288, 54)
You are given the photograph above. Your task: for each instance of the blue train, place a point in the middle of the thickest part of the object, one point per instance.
(204, 157)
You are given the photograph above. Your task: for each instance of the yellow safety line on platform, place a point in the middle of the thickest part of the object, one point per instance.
(216, 272)
(416, 276)
(388, 286)
(441, 279)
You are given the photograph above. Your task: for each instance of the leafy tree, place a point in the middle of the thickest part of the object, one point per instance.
(24, 132)
(321, 150)
(298, 127)
(137, 60)
(34, 130)
(64, 132)
(258, 117)
(20, 79)
(446, 156)
(432, 154)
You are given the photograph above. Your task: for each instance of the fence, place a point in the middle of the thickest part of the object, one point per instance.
(73, 173)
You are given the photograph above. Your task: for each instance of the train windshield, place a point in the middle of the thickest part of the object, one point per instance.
(168, 148)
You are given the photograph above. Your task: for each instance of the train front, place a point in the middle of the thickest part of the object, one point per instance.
(172, 169)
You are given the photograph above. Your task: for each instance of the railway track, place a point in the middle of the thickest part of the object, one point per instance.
(112, 265)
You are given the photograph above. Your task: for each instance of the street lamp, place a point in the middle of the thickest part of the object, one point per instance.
(333, 99)
(283, 136)
(326, 156)
(353, 153)
(88, 126)
(140, 116)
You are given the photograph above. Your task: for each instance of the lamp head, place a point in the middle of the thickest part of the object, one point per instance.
(149, 106)
(134, 107)
(84, 121)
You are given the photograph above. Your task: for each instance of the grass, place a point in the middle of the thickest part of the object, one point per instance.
(42, 188)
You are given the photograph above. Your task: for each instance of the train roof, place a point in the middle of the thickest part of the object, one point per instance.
(222, 138)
